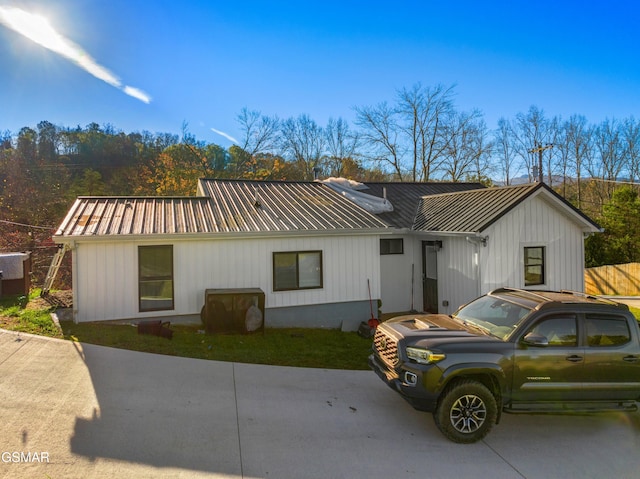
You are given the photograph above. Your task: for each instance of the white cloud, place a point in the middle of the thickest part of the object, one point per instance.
(37, 29)
(228, 137)
(136, 93)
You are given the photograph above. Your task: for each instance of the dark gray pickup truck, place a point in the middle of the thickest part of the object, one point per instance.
(514, 351)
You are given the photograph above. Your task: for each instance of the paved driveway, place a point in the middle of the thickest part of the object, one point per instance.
(98, 412)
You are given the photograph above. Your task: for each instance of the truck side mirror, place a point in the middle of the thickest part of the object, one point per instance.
(535, 339)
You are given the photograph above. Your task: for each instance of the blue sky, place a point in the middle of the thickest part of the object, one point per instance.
(201, 62)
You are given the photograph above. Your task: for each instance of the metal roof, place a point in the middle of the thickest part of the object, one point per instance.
(245, 206)
(474, 211)
(405, 198)
(230, 206)
(114, 216)
(284, 206)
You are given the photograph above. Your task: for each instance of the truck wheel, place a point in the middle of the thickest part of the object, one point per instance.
(466, 412)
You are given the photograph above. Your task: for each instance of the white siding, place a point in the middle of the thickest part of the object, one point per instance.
(533, 223)
(457, 274)
(104, 271)
(107, 275)
(395, 277)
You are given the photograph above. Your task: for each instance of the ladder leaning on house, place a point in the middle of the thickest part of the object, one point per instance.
(53, 270)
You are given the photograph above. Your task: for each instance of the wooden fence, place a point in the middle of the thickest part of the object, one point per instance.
(619, 279)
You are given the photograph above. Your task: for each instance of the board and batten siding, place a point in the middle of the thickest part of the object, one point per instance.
(533, 223)
(501, 263)
(457, 274)
(395, 277)
(106, 273)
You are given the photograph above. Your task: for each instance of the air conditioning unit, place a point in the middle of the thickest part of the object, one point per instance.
(238, 310)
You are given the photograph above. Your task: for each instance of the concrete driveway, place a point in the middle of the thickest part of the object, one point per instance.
(75, 410)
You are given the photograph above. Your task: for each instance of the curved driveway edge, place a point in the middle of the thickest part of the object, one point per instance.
(100, 412)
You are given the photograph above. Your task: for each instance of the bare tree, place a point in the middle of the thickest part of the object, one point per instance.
(380, 132)
(505, 150)
(630, 132)
(531, 131)
(342, 145)
(412, 136)
(483, 167)
(426, 113)
(303, 141)
(578, 140)
(554, 156)
(466, 149)
(607, 162)
(260, 135)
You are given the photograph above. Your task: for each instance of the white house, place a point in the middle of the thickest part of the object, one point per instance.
(320, 258)
(464, 244)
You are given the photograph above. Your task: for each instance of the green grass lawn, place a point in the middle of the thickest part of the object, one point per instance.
(316, 348)
(16, 315)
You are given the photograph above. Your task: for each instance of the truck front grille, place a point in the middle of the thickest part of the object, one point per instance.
(386, 347)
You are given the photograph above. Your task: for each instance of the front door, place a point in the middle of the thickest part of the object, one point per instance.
(430, 275)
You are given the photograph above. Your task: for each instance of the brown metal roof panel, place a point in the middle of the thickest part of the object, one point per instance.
(123, 210)
(268, 207)
(287, 206)
(471, 211)
(232, 207)
(256, 219)
(109, 214)
(87, 219)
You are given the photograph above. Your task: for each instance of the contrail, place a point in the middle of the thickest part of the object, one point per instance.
(37, 29)
(228, 137)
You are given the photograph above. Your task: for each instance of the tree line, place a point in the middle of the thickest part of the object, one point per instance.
(420, 136)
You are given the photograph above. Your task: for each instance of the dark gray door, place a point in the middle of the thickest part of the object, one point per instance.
(430, 275)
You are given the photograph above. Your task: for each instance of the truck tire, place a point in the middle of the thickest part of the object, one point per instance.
(466, 411)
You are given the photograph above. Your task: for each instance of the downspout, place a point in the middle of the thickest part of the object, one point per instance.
(74, 280)
(477, 241)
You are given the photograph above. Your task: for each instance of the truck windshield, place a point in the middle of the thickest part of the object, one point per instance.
(497, 316)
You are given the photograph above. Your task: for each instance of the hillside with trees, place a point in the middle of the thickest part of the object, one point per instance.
(422, 136)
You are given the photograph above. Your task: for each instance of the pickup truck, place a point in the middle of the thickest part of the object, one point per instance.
(514, 351)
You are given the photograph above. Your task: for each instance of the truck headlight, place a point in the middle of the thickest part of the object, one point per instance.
(424, 356)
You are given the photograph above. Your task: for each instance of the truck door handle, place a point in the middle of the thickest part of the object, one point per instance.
(631, 359)
(574, 358)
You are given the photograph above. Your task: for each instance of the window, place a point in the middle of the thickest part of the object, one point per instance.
(155, 278)
(603, 332)
(392, 246)
(534, 266)
(559, 331)
(297, 270)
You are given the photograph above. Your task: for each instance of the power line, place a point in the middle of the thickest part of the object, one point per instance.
(26, 225)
